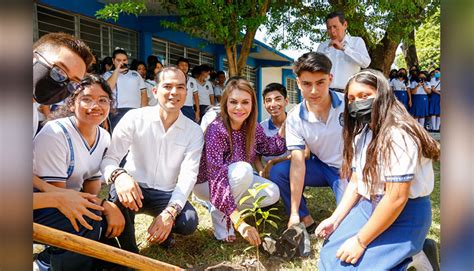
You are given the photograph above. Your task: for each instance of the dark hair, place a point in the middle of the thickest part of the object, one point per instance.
(54, 41)
(119, 51)
(196, 71)
(338, 14)
(150, 70)
(182, 59)
(136, 63)
(387, 113)
(249, 124)
(151, 60)
(392, 74)
(312, 62)
(275, 87)
(205, 68)
(88, 80)
(219, 73)
(106, 61)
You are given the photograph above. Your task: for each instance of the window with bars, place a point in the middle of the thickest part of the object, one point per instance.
(170, 52)
(249, 73)
(101, 37)
(292, 90)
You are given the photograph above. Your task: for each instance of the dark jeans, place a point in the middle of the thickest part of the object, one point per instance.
(188, 111)
(202, 110)
(59, 258)
(154, 202)
(115, 118)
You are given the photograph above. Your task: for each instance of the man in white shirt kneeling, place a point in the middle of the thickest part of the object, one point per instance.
(162, 164)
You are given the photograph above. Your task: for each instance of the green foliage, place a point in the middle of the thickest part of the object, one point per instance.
(400, 61)
(260, 217)
(427, 40)
(113, 10)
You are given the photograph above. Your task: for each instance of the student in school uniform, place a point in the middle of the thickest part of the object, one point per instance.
(128, 86)
(419, 88)
(204, 87)
(225, 172)
(191, 105)
(150, 82)
(275, 99)
(385, 213)
(399, 87)
(434, 104)
(316, 123)
(67, 153)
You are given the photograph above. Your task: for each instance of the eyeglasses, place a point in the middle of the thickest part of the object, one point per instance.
(60, 76)
(89, 102)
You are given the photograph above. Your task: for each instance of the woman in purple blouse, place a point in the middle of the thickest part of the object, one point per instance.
(231, 143)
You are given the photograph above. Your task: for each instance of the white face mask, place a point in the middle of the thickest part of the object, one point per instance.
(207, 78)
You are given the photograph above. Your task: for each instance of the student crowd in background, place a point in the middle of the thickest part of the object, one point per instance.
(420, 92)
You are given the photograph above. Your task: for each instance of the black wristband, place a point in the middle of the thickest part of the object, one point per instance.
(115, 174)
(102, 202)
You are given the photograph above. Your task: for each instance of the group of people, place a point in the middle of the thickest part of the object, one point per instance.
(354, 137)
(420, 93)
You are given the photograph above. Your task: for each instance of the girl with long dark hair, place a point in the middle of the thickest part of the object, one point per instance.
(385, 213)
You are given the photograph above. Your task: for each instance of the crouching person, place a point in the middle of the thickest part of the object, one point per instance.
(232, 141)
(164, 149)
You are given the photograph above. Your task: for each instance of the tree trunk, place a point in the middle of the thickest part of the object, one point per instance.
(231, 63)
(383, 55)
(409, 50)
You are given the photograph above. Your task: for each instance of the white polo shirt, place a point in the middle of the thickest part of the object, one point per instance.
(403, 166)
(323, 139)
(158, 159)
(398, 85)
(191, 88)
(61, 154)
(420, 90)
(150, 84)
(348, 62)
(436, 84)
(128, 89)
(270, 130)
(204, 92)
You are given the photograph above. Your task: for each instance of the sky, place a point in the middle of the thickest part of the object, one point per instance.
(291, 53)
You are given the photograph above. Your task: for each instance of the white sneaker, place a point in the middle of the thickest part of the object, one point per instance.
(40, 266)
(420, 262)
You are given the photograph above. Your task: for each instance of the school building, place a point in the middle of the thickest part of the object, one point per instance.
(143, 35)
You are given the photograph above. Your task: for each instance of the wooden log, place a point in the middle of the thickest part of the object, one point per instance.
(71, 242)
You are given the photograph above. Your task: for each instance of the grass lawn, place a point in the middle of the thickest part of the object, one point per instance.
(201, 250)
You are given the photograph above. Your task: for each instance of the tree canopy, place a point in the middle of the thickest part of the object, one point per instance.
(381, 24)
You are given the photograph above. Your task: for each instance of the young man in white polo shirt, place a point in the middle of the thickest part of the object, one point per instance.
(128, 86)
(317, 123)
(162, 164)
(275, 99)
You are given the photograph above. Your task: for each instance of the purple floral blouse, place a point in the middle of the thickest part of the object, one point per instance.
(216, 158)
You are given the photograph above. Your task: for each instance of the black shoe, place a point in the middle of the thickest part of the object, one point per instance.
(311, 228)
(431, 251)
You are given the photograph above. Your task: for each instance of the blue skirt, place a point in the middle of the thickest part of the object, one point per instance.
(402, 96)
(392, 250)
(419, 106)
(434, 104)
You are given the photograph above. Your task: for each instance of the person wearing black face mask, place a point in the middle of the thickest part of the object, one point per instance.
(399, 87)
(386, 210)
(59, 63)
(420, 88)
